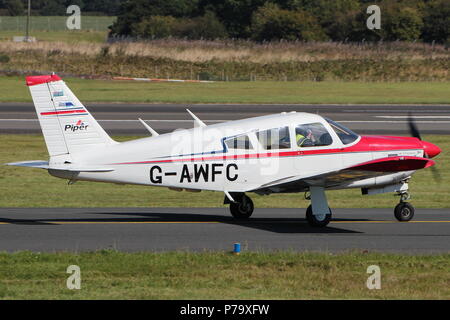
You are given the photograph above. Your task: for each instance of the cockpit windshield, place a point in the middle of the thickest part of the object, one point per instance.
(346, 135)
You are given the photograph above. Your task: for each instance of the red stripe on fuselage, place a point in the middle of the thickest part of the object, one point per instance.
(366, 144)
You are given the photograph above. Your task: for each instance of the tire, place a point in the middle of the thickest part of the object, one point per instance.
(314, 222)
(243, 209)
(404, 211)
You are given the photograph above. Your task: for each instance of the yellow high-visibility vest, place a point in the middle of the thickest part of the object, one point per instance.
(300, 139)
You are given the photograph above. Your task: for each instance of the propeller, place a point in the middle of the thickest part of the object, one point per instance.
(436, 174)
(414, 131)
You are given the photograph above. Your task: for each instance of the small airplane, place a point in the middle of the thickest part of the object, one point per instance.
(280, 153)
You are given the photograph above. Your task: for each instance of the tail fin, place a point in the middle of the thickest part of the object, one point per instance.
(66, 124)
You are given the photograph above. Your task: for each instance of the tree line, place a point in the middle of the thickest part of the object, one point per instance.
(271, 20)
(260, 20)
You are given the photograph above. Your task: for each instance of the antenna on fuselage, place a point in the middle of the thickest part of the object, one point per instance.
(199, 122)
(153, 132)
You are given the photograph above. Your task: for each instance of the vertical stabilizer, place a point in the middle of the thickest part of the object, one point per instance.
(66, 124)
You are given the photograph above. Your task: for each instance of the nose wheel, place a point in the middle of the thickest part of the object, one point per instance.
(404, 211)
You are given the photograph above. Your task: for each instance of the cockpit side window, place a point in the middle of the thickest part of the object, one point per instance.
(241, 142)
(277, 138)
(312, 135)
(346, 135)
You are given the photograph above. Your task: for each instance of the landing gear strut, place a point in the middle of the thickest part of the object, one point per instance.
(318, 213)
(404, 211)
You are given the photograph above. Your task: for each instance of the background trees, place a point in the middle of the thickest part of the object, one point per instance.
(202, 27)
(14, 7)
(401, 21)
(437, 21)
(270, 22)
(337, 20)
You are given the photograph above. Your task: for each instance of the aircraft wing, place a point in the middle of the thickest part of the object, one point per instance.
(364, 170)
(69, 167)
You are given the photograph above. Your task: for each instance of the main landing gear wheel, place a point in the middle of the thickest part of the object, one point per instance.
(242, 209)
(404, 211)
(317, 220)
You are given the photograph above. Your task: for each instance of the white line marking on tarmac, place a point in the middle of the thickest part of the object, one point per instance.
(392, 121)
(415, 117)
(424, 110)
(164, 120)
(116, 120)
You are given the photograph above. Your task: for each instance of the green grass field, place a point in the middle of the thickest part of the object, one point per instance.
(178, 275)
(54, 23)
(54, 29)
(15, 90)
(73, 36)
(24, 187)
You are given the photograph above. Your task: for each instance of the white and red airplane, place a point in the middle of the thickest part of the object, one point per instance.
(280, 153)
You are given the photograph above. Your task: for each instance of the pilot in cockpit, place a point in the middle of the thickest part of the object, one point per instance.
(304, 137)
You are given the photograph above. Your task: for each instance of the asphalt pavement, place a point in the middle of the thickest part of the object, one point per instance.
(199, 229)
(121, 119)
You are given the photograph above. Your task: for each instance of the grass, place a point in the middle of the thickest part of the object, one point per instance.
(70, 37)
(24, 187)
(198, 51)
(94, 29)
(180, 275)
(15, 90)
(229, 60)
(54, 23)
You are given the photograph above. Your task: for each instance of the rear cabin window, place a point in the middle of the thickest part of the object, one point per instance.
(241, 142)
(272, 139)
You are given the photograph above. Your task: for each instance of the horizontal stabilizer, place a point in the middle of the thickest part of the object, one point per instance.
(30, 164)
(69, 167)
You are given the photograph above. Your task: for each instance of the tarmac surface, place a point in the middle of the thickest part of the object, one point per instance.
(198, 229)
(121, 119)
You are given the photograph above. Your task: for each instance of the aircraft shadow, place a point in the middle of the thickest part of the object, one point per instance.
(277, 225)
(31, 222)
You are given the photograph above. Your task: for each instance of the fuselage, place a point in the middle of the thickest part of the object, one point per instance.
(246, 155)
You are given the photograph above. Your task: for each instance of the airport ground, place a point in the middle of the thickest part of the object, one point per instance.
(213, 229)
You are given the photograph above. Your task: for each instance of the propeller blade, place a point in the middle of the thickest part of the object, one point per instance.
(436, 174)
(413, 130)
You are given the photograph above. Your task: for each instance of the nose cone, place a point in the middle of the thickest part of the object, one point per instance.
(430, 149)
